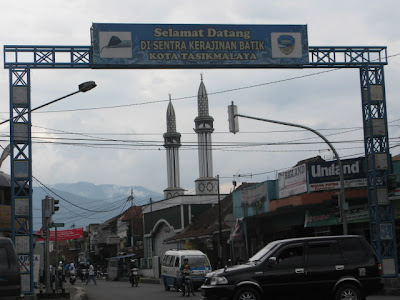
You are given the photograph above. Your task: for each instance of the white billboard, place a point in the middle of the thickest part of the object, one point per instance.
(293, 181)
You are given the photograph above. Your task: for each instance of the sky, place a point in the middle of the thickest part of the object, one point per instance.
(113, 134)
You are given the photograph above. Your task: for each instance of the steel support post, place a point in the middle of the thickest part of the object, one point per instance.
(21, 173)
(376, 141)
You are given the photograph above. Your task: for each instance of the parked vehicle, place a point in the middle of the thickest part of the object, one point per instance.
(172, 260)
(10, 278)
(134, 277)
(101, 274)
(340, 267)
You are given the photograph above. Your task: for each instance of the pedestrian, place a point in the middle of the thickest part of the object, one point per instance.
(218, 263)
(91, 275)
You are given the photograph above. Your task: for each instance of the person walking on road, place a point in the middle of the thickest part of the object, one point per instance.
(91, 275)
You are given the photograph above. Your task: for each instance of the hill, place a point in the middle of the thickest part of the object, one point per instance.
(84, 203)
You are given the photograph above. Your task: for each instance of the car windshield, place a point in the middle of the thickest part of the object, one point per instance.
(197, 261)
(263, 252)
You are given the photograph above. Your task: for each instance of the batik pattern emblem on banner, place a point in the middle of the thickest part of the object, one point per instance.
(286, 44)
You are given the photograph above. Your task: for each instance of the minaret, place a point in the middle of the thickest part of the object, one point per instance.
(206, 184)
(172, 142)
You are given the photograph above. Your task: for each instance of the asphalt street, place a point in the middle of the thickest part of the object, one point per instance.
(106, 290)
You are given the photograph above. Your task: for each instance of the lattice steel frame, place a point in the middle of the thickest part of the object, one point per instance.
(21, 172)
(369, 60)
(376, 143)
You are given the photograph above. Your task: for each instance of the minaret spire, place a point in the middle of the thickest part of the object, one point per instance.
(172, 142)
(206, 183)
(171, 118)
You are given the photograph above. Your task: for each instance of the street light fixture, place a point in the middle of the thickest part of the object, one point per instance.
(83, 87)
(234, 127)
(87, 86)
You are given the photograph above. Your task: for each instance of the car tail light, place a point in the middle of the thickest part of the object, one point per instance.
(380, 269)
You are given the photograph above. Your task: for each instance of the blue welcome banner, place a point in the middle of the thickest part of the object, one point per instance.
(201, 45)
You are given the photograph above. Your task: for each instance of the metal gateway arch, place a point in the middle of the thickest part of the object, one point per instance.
(369, 60)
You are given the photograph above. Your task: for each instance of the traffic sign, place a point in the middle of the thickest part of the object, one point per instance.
(56, 225)
(230, 220)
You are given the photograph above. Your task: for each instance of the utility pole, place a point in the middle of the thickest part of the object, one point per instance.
(132, 237)
(56, 246)
(151, 227)
(45, 225)
(221, 254)
(48, 209)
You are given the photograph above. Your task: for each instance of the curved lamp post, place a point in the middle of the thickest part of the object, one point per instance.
(233, 127)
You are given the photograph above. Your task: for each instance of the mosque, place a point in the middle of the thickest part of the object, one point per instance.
(164, 219)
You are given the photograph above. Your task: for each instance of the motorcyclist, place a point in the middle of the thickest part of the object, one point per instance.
(132, 265)
(72, 269)
(184, 268)
(60, 273)
(72, 273)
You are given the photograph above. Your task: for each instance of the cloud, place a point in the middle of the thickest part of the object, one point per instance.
(137, 99)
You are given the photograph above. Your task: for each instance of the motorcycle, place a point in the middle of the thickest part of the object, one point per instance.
(72, 278)
(84, 275)
(186, 283)
(105, 274)
(134, 277)
(102, 274)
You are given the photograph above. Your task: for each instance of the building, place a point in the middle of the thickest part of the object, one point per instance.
(208, 232)
(5, 205)
(303, 201)
(120, 235)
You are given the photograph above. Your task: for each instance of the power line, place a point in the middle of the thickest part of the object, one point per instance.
(195, 96)
(80, 207)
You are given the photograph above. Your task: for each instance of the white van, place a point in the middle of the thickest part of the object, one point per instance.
(172, 261)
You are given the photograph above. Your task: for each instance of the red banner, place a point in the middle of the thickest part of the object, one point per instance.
(64, 235)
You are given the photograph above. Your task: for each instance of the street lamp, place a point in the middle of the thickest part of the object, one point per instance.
(234, 127)
(83, 87)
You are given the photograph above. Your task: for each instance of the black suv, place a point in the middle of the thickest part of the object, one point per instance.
(10, 278)
(338, 267)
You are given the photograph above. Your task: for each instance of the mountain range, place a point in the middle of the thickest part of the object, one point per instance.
(85, 203)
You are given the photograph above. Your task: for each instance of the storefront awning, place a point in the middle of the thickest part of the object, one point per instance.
(320, 217)
(122, 256)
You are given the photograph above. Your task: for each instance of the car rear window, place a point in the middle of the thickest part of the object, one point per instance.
(323, 253)
(354, 250)
(4, 261)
